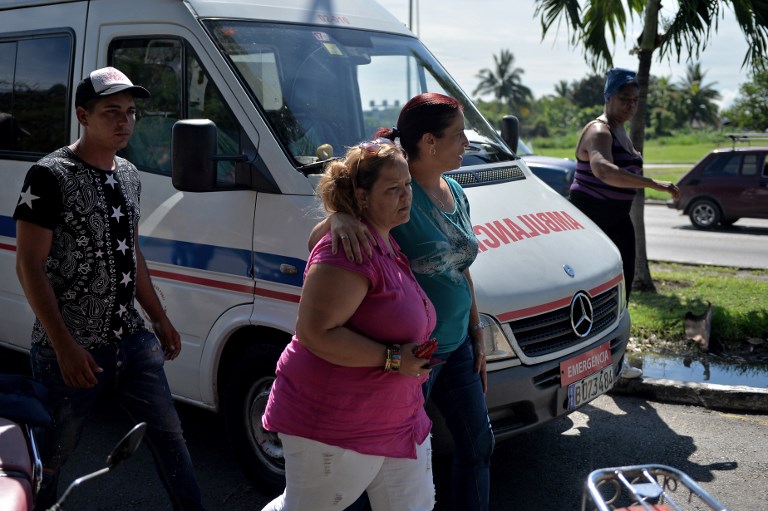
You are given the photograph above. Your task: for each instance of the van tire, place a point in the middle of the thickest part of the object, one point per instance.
(244, 399)
(704, 214)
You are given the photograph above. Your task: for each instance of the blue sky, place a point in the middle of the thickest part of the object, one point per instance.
(465, 35)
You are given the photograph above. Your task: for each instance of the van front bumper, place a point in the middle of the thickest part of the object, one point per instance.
(525, 397)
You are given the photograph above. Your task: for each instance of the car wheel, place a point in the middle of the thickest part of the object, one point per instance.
(244, 400)
(704, 214)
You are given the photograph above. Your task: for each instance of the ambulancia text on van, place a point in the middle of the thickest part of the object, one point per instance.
(248, 98)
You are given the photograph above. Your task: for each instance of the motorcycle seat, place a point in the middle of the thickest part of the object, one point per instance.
(15, 468)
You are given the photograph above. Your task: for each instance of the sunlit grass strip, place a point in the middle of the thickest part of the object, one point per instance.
(739, 302)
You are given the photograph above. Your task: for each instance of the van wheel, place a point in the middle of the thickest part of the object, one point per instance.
(244, 399)
(704, 214)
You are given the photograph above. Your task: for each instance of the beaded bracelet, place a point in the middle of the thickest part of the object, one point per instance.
(392, 364)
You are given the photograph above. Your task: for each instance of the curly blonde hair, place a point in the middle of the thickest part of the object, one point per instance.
(360, 168)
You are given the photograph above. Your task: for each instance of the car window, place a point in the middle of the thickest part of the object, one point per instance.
(749, 167)
(723, 166)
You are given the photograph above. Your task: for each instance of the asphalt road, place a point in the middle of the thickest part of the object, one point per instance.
(541, 470)
(671, 237)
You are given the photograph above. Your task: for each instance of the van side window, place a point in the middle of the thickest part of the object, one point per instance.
(180, 89)
(34, 92)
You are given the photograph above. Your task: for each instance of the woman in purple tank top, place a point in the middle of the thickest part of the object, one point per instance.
(609, 170)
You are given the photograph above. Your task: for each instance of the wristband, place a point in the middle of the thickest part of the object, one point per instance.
(392, 363)
(478, 326)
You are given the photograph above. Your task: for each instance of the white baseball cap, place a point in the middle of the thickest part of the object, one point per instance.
(105, 82)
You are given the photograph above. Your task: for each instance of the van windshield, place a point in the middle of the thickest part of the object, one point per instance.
(323, 89)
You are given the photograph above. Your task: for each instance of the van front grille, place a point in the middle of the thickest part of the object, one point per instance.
(551, 332)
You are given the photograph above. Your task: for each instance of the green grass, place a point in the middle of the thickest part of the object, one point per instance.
(739, 303)
(654, 152)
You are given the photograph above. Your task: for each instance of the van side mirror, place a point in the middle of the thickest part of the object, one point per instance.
(193, 143)
(510, 131)
(194, 161)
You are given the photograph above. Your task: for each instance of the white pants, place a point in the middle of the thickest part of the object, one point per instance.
(323, 477)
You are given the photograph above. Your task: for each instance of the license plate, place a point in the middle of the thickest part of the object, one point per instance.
(586, 364)
(589, 388)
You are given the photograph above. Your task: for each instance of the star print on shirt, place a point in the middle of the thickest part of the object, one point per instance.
(126, 279)
(122, 247)
(118, 333)
(116, 213)
(27, 198)
(110, 181)
(122, 311)
(99, 253)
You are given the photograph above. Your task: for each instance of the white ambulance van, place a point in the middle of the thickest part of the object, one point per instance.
(260, 93)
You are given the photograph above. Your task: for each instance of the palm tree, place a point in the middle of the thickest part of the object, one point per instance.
(562, 89)
(504, 82)
(699, 97)
(688, 32)
(664, 105)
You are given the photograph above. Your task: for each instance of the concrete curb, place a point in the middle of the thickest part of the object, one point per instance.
(707, 395)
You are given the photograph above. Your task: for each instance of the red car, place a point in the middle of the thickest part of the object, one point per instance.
(724, 186)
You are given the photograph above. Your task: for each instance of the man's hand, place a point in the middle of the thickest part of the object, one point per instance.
(169, 338)
(78, 367)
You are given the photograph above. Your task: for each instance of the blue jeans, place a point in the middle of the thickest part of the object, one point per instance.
(134, 376)
(457, 391)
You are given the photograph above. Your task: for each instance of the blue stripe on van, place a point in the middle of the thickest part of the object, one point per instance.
(230, 261)
(7, 226)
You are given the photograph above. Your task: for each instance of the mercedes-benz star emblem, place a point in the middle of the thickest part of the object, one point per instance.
(581, 314)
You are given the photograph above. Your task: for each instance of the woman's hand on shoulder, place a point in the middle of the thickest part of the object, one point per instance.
(354, 236)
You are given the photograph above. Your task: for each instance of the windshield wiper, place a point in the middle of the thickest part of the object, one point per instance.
(314, 167)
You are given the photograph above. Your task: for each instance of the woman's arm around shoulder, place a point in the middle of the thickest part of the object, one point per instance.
(354, 235)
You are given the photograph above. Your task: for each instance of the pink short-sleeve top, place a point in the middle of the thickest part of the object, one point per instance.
(359, 408)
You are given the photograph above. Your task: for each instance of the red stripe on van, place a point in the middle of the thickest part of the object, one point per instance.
(240, 288)
(557, 304)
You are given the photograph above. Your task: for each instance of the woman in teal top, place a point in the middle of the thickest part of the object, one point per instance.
(440, 245)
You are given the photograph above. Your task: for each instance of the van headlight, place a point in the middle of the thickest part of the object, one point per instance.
(497, 346)
(622, 297)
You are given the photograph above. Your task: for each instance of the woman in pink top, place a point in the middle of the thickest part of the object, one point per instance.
(347, 401)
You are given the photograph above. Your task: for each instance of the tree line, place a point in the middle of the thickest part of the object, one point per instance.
(688, 103)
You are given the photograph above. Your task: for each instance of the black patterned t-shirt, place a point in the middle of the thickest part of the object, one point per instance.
(94, 216)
